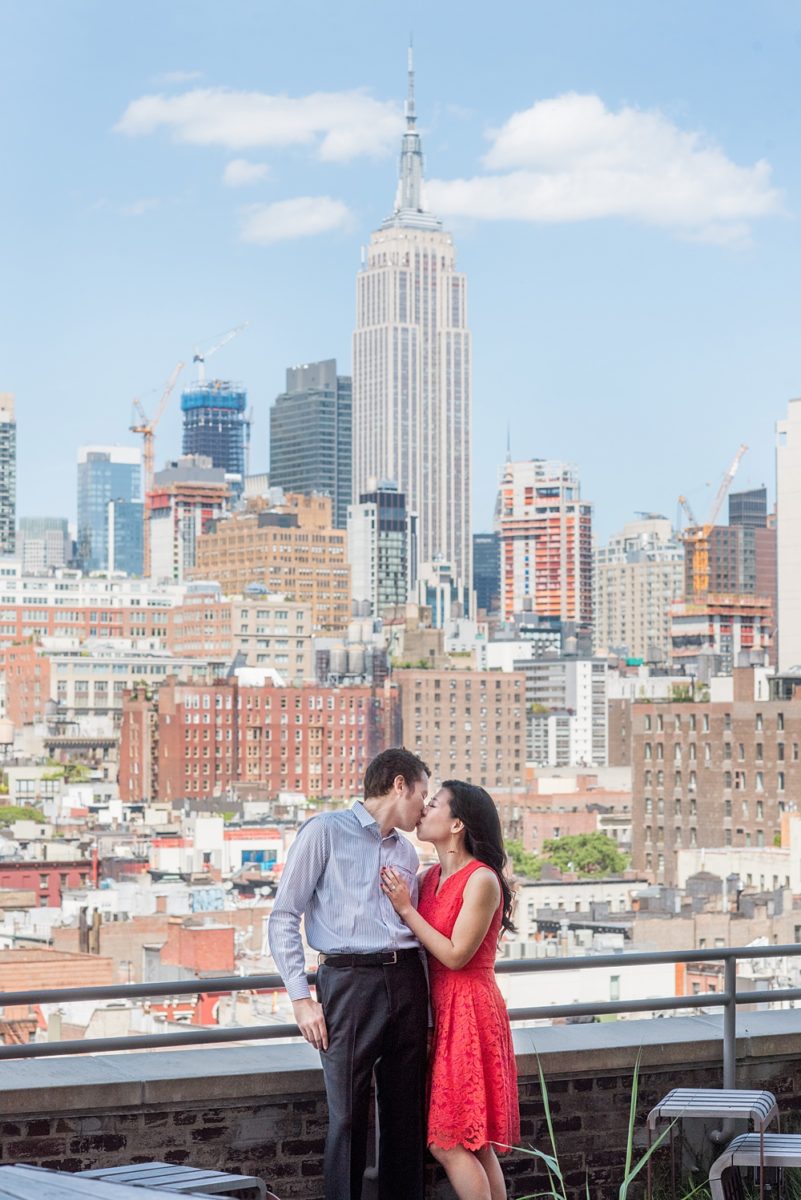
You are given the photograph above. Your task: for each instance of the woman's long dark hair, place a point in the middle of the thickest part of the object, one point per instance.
(476, 809)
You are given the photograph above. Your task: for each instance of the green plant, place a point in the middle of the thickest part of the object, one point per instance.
(585, 853)
(524, 863)
(19, 812)
(631, 1169)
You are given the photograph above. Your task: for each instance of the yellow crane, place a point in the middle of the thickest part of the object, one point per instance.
(147, 428)
(696, 538)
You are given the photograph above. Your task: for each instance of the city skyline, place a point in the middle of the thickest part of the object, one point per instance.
(640, 332)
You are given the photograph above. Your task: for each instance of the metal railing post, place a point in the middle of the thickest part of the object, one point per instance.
(730, 1022)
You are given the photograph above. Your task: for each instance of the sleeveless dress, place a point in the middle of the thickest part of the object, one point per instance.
(472, 1073)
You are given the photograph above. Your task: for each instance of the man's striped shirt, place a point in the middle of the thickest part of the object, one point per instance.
(332, 879)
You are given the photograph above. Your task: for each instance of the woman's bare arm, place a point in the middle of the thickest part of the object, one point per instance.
(482, 894)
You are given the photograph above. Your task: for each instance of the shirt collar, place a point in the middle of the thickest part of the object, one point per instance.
(366, 819)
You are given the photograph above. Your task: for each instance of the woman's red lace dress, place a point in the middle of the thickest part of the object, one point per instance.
(473, 1079)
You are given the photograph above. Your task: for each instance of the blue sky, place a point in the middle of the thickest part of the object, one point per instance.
(622, 180)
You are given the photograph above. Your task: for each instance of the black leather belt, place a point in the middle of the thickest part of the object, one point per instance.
(382, 958)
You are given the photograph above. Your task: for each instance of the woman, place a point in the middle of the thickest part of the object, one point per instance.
(465, 903)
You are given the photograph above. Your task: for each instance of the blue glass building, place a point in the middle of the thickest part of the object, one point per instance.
(105, 473)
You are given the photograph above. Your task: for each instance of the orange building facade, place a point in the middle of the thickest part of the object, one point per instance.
(545, 533)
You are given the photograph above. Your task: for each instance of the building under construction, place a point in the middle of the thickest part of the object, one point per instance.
(215, 426)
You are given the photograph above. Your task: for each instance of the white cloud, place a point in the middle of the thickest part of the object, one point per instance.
(179, 76)
(139, 207)
(572, 159)
(300, 217)
(339, 125)
(239, 172)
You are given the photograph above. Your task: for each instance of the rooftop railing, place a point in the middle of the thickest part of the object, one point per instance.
(727, 1000)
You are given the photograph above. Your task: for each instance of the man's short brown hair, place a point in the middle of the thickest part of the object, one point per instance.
(382, 772)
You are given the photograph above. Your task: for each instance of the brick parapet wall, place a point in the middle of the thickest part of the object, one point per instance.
(260, 1109)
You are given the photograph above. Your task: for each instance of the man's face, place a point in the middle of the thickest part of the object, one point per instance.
(411, 801)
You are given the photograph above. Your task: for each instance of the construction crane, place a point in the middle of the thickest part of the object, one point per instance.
(200, 356)
(696, 539)
(688, 512)
(140, 424)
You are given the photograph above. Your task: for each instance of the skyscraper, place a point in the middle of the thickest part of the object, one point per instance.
(788, 535)
(749, 507)
(412, 367)
(43, 542)
(546, 541)
(636, 576)
(487, 571)
(8, 474)
(126, 536)
(105, 473)
(187, 496)
(381, 545)
(311, 436)
(215, 426)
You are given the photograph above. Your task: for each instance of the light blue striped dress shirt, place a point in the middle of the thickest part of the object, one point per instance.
(332, 879)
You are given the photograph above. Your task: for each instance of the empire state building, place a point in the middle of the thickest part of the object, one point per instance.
(411, 367)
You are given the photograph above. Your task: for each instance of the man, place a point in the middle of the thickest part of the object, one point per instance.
(373, 999)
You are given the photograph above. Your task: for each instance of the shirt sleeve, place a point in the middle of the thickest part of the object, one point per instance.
(304, 865)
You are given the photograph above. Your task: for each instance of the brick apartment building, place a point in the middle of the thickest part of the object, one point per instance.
(291, 548)
(25, 678)
(712, 774)
(466, 724)
(46, 880)
(266, 631)
(196, 740)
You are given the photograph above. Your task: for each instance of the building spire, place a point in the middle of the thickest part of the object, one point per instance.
(409, 209)
(411, 161)
(411, 117)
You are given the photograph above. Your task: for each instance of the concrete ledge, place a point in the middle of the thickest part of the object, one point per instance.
(96, 1082)
(259, 1108)
(261, 1070)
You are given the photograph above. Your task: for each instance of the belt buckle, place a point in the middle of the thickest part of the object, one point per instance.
(392, 959)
